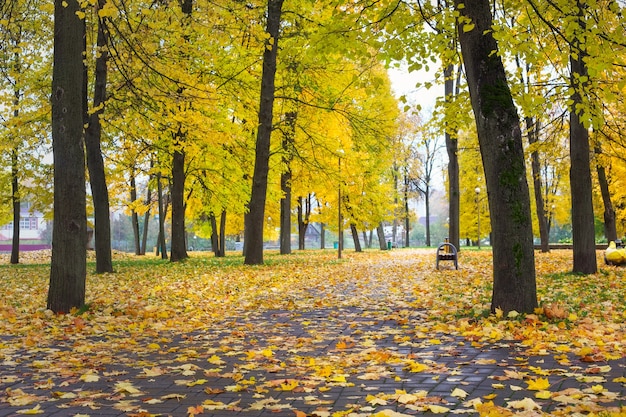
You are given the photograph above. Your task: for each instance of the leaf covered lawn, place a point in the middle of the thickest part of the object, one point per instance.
(375, 334)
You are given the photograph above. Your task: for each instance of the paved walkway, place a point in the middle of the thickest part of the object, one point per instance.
(325, 362)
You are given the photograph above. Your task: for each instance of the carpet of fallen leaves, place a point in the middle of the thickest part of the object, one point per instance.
(356, 323)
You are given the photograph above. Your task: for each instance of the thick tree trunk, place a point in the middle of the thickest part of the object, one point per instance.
(381, 237)
(583, 227)
(146, 220)
(255, 219)
(610, 228)
(454, 195)
(215, 240)
(285, 183)
(178, 251)
(322, 236)
(134, 219)
(304, 214)
(15, 198)
(222, 237)
(95, 162)
(161, 247)
(533, 133)
(68, 269)
(500, 140)
(355, 238)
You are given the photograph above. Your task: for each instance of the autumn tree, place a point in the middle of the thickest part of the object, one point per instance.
(256, 216)
(500, 141)
(69, 262)
(24, 109)
(93, 135)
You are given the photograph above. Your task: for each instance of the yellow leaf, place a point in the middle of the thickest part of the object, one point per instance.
(526, 404)
(597, 389)
(196, 382)
(36, 410)
(125, 386)
(89, 377)
(459, 393)
(468, 27)
(375, 400)
(154, 346)
(289, 385)
(543, 395)
(437, 409)
(215, 360)
(538, 384)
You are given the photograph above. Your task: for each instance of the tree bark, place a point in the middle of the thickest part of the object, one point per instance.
(146, 220)
(285, 183)
(134, 218)
(454, 195)
(610, 228)
(222, 236)
(355, 238)
(583, 227)
(500, 140)
(304, 214)
(253, 248)
(533, 137)
(68, 269)
(161, 247)
(427, 206)
(95, 162)
(178, 250)
(381, 237)
(16, 200)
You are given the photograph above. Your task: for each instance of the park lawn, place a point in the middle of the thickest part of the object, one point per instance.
(149, 302)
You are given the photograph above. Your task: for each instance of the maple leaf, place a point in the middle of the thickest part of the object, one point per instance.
(126, 386)
(538, 384)
(35, 410)
(194, 411)
(526, 404)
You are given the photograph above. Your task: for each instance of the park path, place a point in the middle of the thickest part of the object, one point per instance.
(367, 350)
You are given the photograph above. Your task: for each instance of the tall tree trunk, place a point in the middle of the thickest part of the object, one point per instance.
(222, 236)
(161, 247)
(285, 183)
(322, 236)
(134, 219)
(427, 206)
(178, 250)
(500, 140)
(610, 228)
(454, 195)
(215, 240)
(304, 214)
(544, 232)
(380, 231)
(15, 185)
(253, 249)
(95, 162)
(68, 269)
(583, 227)
(16, 200)
(146, 220)
(355, 238)
(407, 213)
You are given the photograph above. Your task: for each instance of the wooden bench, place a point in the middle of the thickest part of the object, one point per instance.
(447, 252)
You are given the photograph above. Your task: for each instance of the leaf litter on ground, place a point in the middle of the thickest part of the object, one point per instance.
(383, 331)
